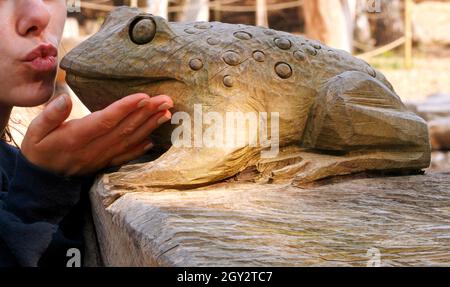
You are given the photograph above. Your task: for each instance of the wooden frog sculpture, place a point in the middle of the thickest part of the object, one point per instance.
(337, 114)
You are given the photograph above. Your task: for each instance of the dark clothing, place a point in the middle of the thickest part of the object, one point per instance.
(40, 212)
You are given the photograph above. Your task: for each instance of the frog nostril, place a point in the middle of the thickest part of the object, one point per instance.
(142, 31)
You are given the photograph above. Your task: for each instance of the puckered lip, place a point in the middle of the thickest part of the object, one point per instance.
(43, 50)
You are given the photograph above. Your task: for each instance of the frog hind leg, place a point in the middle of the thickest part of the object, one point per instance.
(358, 124)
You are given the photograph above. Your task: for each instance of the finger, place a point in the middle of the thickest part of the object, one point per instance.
(122, 145)
(53, 115)
(102, 122)
(157, 103)
(130, 124)
(134, 153)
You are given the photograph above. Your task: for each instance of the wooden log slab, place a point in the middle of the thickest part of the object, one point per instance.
(342, 223)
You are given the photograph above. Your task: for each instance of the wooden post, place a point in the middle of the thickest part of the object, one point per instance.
(194, 10)
(217, 10)
(158, 7)
(390, 22)
(261, 13)
(329, 21)
(134, 3)
(408, 34)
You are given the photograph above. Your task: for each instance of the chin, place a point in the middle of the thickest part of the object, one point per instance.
(34, 94)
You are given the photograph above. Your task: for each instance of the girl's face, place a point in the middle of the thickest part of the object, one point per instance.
(30, 32)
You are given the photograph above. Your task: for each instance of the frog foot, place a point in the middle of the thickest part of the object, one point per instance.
(312, 166)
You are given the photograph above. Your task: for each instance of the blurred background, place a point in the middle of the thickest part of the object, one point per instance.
(407, 40)
(379, 31)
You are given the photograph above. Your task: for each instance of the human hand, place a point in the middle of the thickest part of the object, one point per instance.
(110, 137)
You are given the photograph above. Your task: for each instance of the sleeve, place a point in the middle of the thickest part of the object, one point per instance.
(31, 210)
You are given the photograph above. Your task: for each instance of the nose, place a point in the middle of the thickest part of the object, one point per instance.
(33, 17)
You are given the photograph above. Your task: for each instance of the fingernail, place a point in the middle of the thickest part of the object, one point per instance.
(163, 119)
(148, 147)
(143, 103)
(60, 103)
(164, 106)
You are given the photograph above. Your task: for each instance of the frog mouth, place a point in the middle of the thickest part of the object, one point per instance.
(129, 80)
(97, 91)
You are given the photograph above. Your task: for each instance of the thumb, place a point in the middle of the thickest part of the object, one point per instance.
(54, 114)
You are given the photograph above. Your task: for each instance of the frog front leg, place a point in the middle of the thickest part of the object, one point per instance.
(358, 124)
(181, 168)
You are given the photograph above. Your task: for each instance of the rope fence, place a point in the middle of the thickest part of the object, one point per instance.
(381, 50)
(219, 6)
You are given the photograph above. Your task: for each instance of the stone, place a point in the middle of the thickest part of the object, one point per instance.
(299, 55)
(327, 117)
(228, 81)
(433, 107)
(203, 25)
(283, 43)
(196, 64)
(310, 50)
(390, 221)
(283, 70)
(269, 32)
(243, 35)
(213, 41)
(190, 31)
(317, 46)
(232, 58)
(436, 111)
(259, 56)
(440, 133)
(440, 161)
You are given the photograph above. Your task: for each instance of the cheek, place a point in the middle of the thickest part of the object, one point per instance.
(8, 43)
(58, 18)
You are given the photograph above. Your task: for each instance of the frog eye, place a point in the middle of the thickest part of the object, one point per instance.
(142, 31)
